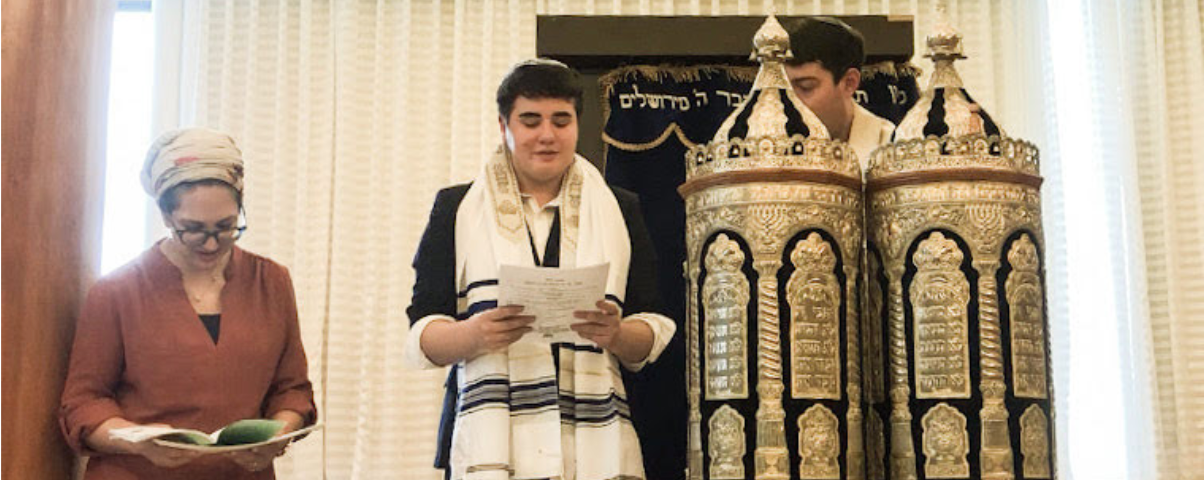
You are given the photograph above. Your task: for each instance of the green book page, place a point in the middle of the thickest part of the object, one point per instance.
(249, 431)
(190, 438)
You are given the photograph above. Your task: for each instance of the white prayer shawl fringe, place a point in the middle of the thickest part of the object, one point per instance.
(513, 421)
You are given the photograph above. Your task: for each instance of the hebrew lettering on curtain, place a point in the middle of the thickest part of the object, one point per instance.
(888, 89)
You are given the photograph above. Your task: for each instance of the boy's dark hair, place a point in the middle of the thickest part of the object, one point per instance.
(834, 44)
(170, 200)
(539, 79)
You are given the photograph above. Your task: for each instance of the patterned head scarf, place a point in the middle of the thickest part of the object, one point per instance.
(189, 155)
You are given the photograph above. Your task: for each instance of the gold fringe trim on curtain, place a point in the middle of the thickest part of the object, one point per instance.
(893, 69)
(643, 147)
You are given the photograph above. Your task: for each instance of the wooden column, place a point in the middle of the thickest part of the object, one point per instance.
(54, 96)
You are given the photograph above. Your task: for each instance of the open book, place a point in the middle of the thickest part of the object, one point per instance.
(240, 435)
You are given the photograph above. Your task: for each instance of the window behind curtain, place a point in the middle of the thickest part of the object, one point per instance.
(129, 130)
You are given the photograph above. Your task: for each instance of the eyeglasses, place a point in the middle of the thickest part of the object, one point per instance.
(199, 237)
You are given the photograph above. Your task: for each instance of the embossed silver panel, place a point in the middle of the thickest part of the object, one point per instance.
(725, 295)
(814, 298)
(1026, 307)
(1034, 442)
(939, 295)
(946, 443)
(818, 444)
(726, 444)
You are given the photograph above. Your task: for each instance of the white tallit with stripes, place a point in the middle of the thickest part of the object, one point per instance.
(518, 417)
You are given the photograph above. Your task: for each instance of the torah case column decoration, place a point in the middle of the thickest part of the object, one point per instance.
(956, 334)
(774, 217)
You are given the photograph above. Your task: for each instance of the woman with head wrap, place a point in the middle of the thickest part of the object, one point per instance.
(195, 333)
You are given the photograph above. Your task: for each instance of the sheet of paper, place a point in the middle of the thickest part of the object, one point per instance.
(552, 295)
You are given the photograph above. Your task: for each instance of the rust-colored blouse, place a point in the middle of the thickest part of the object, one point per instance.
(142, 353)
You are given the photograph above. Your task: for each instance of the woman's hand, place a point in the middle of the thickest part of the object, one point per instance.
(261, 457)
(161, 456)
(100, 441)
(258, 458)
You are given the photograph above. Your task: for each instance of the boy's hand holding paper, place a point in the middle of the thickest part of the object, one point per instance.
(599, 325)
(553, 296)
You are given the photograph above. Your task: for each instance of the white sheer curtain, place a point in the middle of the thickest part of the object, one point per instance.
(1146, 67)
(352, 114)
